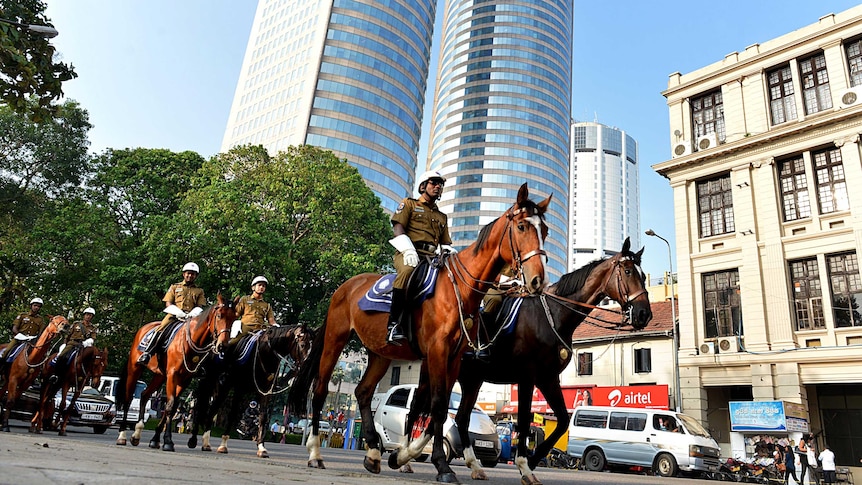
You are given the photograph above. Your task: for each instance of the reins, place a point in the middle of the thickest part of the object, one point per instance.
(52, 344)
(290, 364)
(205, 349)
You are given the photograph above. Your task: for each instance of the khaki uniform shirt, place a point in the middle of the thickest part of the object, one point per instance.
(185, 297)
(28, 324)
(423, 223)
(253, 313)
(80, 331)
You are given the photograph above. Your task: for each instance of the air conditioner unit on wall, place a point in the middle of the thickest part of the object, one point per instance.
(707, 348)
(681, 148)
(729, 345)
(707, 141)
(850, 97)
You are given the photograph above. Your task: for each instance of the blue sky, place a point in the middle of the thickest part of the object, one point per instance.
(162, 73)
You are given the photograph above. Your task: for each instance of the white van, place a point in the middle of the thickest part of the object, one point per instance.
(665, 441)
(108, 388)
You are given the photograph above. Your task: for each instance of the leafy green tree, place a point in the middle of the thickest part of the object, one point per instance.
(27, 67)
(304, 219)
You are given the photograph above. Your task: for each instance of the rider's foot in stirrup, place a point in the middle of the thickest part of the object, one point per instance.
(53, 379)
(394, 335)
(144, 358)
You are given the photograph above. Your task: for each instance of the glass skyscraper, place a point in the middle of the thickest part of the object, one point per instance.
(502, 114)
(344, 75)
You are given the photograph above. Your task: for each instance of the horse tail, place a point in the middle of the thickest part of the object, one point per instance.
(308, 371)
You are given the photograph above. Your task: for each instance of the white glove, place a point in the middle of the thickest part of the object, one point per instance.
(175, 311)
(60, 350)
(195, 311)
(235, 328)
(403, 244)
(21, 336)
(87, 343)
(446, 248)
(507, 282)
(275, 325)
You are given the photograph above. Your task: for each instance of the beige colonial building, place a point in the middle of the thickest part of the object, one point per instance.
(765, 157)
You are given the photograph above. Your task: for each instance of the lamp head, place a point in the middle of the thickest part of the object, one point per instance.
(649, 232)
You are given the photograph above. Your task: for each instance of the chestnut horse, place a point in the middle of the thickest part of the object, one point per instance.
(86, 369)
(258, 374)
(540, 346)
(197, 339)
(26, 366)
(443, 327)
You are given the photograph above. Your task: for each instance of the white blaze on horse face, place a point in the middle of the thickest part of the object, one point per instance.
(536, 221)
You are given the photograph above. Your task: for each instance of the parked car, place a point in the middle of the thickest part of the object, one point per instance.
(299, 427)
(390, 416)
(108, 388)
(91, 409)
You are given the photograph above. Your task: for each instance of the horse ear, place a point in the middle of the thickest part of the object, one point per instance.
(220, 298)
(543, 205)
(627, 245)
(638, 255)
(523, 194)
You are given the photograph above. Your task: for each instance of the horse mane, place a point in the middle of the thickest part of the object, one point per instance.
(571, 282)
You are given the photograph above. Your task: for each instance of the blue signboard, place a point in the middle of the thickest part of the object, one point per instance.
(757, 416)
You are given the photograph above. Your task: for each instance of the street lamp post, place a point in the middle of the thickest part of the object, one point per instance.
(678, 393)
(43, 30)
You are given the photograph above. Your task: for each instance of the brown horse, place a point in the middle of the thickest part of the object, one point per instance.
(540, 347)
(277, 349)
(443, 327)
(197, 339)
(86, 369)
(26, 366)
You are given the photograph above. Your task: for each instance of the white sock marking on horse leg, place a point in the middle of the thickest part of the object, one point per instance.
(417, 445)
(260, 448)
(122, 435)
(521, 463)
(470, 458)
(224, 439)
(313, 447)
(205, 440)
(373, 454)
(139, 430)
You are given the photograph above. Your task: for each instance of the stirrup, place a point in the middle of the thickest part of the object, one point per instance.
(53, 379)
(394, 334)
(144, 358)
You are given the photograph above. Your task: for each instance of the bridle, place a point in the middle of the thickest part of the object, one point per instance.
(292, 359)
(516, 254)
(209, 348)
(49, 343)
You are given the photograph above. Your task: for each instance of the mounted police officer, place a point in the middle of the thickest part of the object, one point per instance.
(82, 334)
(252, 312)
(26, 326)
(419, 228)
(183, 300)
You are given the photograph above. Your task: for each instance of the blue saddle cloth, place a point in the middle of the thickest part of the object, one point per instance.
(9, 358)
(246, 345)
(68, 358)
(379, 297)
(172, 332)
(507, 317)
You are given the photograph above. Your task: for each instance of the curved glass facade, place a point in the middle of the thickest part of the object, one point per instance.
(502, 114)
(370, 90)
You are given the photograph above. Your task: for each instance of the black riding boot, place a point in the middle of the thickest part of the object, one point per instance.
(151, 348)
(393, 330)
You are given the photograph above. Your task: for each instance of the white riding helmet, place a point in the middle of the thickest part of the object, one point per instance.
(37, 300)
(431, 174)
(89, 310)
(259, 279)
(191, 267)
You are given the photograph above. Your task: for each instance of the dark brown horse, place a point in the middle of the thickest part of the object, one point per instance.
(443, 327)
(539, 347)
(86, 369)
(27, 365)
(276, 349)
(197, 339)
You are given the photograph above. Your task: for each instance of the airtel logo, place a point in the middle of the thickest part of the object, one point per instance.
(632, 398)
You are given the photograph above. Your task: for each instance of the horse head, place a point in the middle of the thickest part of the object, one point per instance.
(56, 325)
(100, 363)
(627, 285)
(220, 319)
(526, 233)
(303, 337)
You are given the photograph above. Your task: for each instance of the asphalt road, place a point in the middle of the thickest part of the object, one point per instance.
(85, 458)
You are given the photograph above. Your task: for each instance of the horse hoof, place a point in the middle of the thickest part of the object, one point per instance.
(193, 442)
(393, 461)
(478, 475)
(121, 442)
(206, 448)
(406, 468)
(372, 466)
(135, 441)
(530, 480)
(447, 478)
(262, 454)
(153, 444)
(222, 450)
(61, 433)
(316, 464)
(168, 447)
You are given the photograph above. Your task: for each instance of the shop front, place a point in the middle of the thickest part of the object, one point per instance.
(756, 427)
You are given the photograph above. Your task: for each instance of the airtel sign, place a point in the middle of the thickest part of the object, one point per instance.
(647, 397)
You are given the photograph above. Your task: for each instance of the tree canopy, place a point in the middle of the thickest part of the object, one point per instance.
(30, 79)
